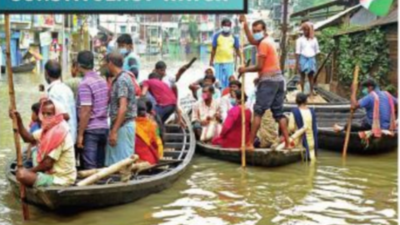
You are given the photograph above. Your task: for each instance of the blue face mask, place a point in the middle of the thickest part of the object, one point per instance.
(258, 36)
(123, 51)
(233, 101)
(364, 91)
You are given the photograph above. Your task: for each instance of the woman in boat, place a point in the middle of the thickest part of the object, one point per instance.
(146, 145)
(302, 116)
(229, 101)
(206, 116)
(231, 135)
(54, 161)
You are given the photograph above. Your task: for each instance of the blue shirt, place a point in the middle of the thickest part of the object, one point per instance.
(384, 108)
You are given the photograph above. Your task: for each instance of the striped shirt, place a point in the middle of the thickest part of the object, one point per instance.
(93, 91)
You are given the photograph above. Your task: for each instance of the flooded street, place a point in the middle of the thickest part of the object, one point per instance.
(211, 192)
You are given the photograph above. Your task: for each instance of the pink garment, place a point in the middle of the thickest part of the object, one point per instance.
(231, 135)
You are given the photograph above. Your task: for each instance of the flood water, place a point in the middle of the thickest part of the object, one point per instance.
(211, 192)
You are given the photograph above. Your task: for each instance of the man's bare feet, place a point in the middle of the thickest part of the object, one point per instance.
(337, 128)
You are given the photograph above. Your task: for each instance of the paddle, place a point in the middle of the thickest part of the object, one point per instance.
(353, 93)
(11, 92)
(183, 69)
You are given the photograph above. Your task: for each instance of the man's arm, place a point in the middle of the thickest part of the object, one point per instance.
(84, 117)
(123, 108)
(145, 89)
(25, 135)
(46, 165)
(213, 51)
(247, 31)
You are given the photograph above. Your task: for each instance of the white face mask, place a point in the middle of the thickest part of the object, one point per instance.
(226, 29)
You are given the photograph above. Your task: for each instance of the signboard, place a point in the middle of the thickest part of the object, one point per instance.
(121, 6)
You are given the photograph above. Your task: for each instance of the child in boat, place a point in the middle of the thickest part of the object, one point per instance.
(146, 145)
(206, 116)
(301, 117)
(229, 101)
(231, 135)
(55, 156)
(33, 126)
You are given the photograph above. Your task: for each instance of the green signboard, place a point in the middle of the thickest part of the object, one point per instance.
(123, 6)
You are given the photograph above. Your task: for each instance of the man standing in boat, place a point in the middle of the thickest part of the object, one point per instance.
(224, 46)
(92, 104)
(61, 93)
(271, 85)
(121, 140)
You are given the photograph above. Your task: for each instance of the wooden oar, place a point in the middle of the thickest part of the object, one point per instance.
(243, 116)
(348, 130)
(11, 92)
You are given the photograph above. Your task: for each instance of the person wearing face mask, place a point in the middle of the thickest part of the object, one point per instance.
(131, 59)
(231, 133)
(206, 115)
(380, 106)
(229, 101)
(60, 92)
(307, 49)
(270, 92)
(224, 46)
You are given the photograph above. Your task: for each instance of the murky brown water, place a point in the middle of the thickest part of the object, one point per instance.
(364, 191)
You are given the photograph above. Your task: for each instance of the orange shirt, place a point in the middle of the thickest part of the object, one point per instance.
(267, 50)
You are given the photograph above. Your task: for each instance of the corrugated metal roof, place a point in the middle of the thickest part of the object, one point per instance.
(386, 20)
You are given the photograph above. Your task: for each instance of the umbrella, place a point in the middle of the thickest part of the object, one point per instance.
(377, 7)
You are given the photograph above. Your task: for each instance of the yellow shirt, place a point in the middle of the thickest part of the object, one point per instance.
(225, 48)
(64, 168)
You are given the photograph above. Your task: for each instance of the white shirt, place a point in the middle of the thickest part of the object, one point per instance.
(63, 94)
(307, 47)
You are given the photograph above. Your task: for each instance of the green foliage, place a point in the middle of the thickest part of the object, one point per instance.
(326, 42)
(369, 50)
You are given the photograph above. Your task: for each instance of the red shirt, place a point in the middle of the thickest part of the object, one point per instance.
(163, 95)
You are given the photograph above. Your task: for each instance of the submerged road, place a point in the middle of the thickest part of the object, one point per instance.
(211, 192)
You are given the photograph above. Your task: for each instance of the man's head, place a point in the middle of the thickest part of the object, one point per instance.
(74, 68)
(85, 61)
(259, 30)
(209, 71)
(231, 78)
(161, 68)
(114, 62)
(125, 44)
(368, 86)
(208, 92)
(52, 71)
(235, 85)
(209, 80)
(48, 109)
(301, 99)
(308, 30)
(155, 76)
(226, 25)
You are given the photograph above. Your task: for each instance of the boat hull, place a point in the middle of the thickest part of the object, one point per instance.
(104, 195)
(258, 157)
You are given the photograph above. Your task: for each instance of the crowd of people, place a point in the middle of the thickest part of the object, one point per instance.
(92, 121)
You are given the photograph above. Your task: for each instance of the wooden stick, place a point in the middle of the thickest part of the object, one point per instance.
(322, 66)
(107, 171)
(348, 131)
(11, 92)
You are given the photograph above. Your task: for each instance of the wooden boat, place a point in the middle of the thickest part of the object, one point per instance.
(258, 157)
(23, 68)
(181, 143)
(328, 139)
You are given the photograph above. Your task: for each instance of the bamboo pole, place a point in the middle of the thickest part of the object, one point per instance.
(243, 147)
(108, 171)
(348, 130)
(11, 92)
